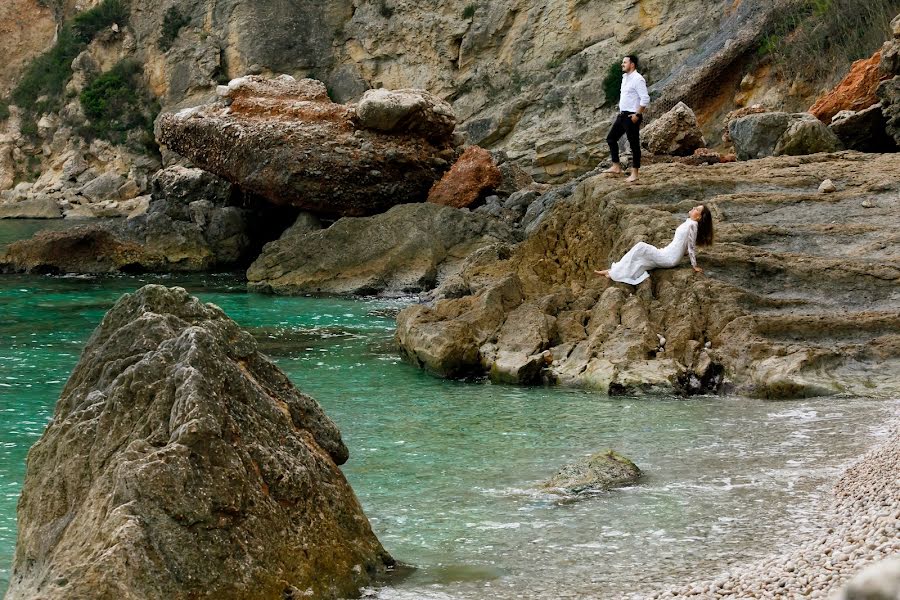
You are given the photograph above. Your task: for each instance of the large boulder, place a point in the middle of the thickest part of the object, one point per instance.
(409, 248)
(191, 224)
(285, 141)
(855, 92)
(35, 208)
(864, 130)
(468, 180)
(406, 111)
(890, 52)
(674, 133)
(778, 133)
(879, 581)
(599, 472)
(181, 463)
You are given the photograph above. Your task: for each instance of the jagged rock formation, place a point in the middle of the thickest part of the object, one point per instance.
(675, 133)
(195, 222)
(857, 91)
(521, 75)
(468, 180)
(410, 248)
(27, 27)
(181, 463)
(889, 90)
(800, 295)
(285, 141)
(599, 472)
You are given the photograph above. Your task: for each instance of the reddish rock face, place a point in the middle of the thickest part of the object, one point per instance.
(472, 175)
(855, 92)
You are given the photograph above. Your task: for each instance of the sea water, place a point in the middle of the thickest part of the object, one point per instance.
(448, 471)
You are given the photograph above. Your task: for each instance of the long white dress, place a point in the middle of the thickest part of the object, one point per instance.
(643, 257)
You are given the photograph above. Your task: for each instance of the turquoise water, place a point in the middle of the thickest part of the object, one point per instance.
(446, 471)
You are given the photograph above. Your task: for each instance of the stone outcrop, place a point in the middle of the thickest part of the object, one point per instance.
(857, 91)
(180, 462)
(469, 179)
(406, 111)
(777, 133)
(889, 90)
(599, 472)
(674, 133)
(864, 130)
(285, 141)
(194, 222)
(799, 295)
(36, 208)
(20, 43)
(410, 248)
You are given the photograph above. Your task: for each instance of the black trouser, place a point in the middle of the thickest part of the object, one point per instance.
(625, 126)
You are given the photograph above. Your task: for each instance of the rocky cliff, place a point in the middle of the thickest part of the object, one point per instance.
(800, 295)
(181, 463)
(527, 77)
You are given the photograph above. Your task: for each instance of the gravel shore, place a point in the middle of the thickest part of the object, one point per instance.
(859, 527)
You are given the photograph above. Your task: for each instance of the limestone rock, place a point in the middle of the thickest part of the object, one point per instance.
(189, 224)
(890, 52)
(407, 249)
(676, 133)
(600, 472)
(864, 130)
(283, 140)
(778, 133)
(406, 111)
(856, 91)
(798, 297)
(467, 180)
(37, 208)
(183, 463)
(880, 581)
(827, 187)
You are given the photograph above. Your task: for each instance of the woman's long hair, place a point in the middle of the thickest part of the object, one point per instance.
(705, 228)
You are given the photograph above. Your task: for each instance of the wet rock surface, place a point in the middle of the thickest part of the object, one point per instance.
(180, 463)
(410, 248)
(599, 472)
(194, 222)
(285, 141)
(800, 294)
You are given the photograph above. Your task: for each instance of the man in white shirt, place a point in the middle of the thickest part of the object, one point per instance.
(633, 101)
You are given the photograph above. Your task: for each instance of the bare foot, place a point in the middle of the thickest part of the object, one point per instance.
(604, 272)
(615, 169)
(632, 178)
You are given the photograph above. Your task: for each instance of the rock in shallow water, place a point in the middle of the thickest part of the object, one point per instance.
(181, 463)
(601, 471)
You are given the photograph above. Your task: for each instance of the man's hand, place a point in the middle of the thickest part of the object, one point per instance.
(698, 270)
(635, 118)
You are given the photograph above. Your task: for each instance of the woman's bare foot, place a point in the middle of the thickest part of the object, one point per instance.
(604, 273)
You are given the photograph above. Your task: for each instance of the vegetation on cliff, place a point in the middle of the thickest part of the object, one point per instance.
(42, 87)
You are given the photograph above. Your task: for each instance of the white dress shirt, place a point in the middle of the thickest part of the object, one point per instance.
(634, 92)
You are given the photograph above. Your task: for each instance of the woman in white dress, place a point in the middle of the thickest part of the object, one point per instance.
(697, 230)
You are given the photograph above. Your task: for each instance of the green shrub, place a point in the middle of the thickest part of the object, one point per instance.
(41, 87)
(612, 83)
(117, 103)
(4, 110)
(173, 22)
(469, 11)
